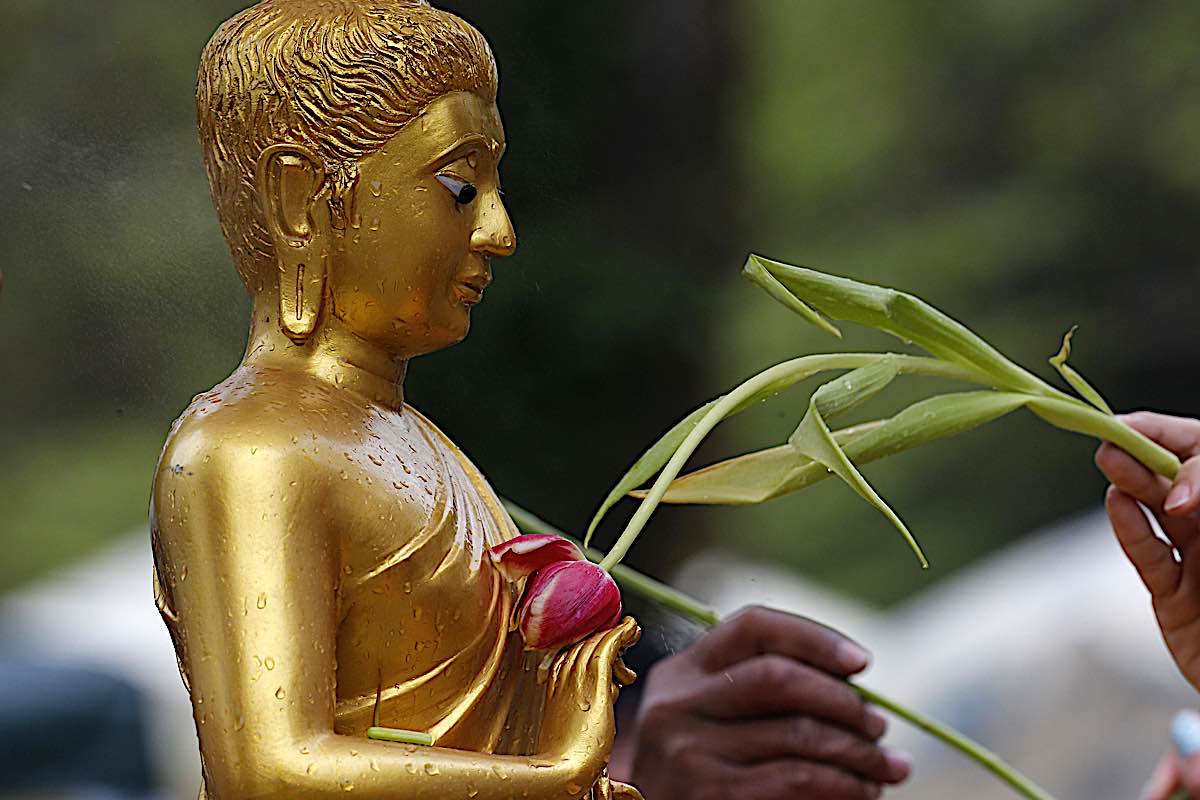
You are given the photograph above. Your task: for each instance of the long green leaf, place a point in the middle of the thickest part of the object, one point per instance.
(902, 315)
(1077, 381)
(659, 453)
(758, 274)
(843, 394)
(814, 440)
(777, 471)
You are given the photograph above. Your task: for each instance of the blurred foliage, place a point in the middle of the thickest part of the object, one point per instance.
(1024, 165)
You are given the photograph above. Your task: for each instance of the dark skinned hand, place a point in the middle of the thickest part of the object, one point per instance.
(760, 709)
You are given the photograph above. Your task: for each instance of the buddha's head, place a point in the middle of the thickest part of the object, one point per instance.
(352, 150)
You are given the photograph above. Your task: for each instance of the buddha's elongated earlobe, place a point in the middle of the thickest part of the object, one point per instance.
(294, 192)
(301, 292)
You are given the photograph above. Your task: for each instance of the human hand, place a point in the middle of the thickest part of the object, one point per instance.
(581, 686)
(1177, 776)
(760, 709)
(1174, 584)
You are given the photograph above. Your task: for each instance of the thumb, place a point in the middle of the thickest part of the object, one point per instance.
(617, 641)
(622, 637)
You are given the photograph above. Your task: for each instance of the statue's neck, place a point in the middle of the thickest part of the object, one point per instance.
(332, 355)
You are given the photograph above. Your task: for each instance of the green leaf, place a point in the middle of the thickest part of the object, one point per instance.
(851, 390)
(1077, 381)
(756, 273)
(777, 471)
(813, 439)
(902, 315)
(791, 372)
(659, 453)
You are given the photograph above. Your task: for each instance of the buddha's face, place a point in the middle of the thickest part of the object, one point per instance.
(417, 254)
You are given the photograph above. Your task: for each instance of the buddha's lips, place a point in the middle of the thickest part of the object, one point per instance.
(470, 290)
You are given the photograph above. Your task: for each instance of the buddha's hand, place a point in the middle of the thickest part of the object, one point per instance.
(581, 686)
(760, 709)
(1174, 585)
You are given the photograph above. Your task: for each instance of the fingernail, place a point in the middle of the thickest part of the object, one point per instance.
(899, 763)
(852, 657)
(1185, 733)
(1178, 496)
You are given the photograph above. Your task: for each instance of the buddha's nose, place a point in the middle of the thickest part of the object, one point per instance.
(494, 233)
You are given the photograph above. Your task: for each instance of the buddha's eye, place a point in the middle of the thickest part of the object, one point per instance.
(463, 192)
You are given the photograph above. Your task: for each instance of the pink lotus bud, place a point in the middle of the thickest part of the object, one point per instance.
(526, 554)
(565, 602)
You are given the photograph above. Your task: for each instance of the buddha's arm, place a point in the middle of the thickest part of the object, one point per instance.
(245, 546)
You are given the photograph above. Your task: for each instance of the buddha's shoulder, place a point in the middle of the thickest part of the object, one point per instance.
(267, 413)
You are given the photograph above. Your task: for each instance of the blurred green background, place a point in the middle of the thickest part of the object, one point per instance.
(1024, 164)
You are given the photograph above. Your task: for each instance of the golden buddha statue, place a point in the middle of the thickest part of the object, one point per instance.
(319, 544)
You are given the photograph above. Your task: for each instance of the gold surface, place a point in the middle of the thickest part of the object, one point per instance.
(318, 543)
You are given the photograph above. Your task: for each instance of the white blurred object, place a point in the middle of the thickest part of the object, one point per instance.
(101, 613)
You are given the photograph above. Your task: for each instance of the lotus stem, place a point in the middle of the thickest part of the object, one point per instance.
(400, 735)
(971, 749)
(1077, 416)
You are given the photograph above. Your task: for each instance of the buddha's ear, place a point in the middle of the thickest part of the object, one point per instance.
(293, 191)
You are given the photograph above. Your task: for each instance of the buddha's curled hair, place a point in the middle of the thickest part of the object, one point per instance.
(340, 77)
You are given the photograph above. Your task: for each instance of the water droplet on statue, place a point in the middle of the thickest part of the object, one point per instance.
(269, 663)
(348, 786)
(431, 769)
(280, 693)
(376, 187)
(262, 600)
(584, 705)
